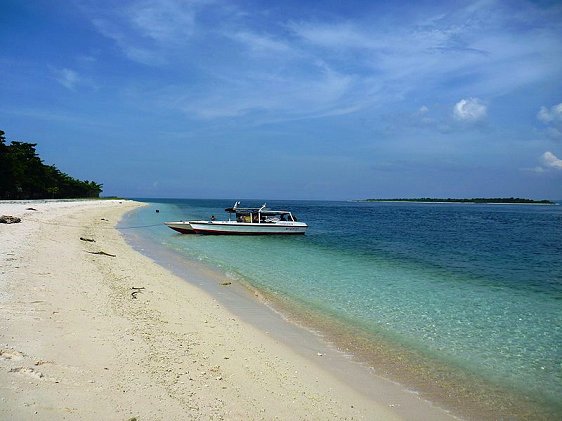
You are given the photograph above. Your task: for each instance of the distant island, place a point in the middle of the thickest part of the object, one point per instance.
(24, 176)
(495, 200)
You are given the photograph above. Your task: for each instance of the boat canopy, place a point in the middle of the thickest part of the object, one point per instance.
(263, 212)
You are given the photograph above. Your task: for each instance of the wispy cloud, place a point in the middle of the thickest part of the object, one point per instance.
(134, 50)
(478, 45)
(67, 78)
(277, 98)
(265, 44)
(163, 20)
(147, 30)
(335, 36)
(421, 118)
(252, 62)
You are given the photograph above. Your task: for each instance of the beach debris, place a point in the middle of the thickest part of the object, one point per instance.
(27, 371)
(226, 283)
(10, 354)
(33, 209)
(136, 290)
(103, 253)
(103, 219)
(9, 219)
(91, 240)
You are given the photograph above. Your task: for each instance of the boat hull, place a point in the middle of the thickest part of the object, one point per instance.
(241, 228)
(183, 227)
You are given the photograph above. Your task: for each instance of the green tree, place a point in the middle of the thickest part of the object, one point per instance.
(5, 167)
(24, 176)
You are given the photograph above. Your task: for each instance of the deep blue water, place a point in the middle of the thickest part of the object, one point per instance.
(476, 286)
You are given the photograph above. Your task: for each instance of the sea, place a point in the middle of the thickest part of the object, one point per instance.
(459, 302)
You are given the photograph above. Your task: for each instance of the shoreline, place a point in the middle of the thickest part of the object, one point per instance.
(76, 344)
(464, 394)
(310, 341)
(458, 391)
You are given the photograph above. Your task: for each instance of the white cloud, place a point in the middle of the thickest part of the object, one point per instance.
(550, 160)
(552, 118)
(470, 110)
(552, 115)
(67, 78)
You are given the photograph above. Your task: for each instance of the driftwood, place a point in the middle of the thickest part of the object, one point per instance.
(91, 240)
(8, 219)
(136, 290)
(103, 253)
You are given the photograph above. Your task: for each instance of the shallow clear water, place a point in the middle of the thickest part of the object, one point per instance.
(475, 286)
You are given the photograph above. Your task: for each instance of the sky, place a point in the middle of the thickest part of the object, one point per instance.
(320, 100)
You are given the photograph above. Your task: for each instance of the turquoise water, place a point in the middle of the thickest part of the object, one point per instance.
(477, 287)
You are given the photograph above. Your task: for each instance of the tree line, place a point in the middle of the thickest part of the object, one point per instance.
(23, 175)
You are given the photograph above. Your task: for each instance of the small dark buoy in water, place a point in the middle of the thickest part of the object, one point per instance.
(157, 210)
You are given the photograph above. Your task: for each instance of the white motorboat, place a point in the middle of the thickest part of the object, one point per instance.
(248, 221)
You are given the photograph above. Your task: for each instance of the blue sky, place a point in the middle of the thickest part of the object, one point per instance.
(289, 99)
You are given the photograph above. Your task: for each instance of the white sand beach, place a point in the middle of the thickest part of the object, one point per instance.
(77, 342)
